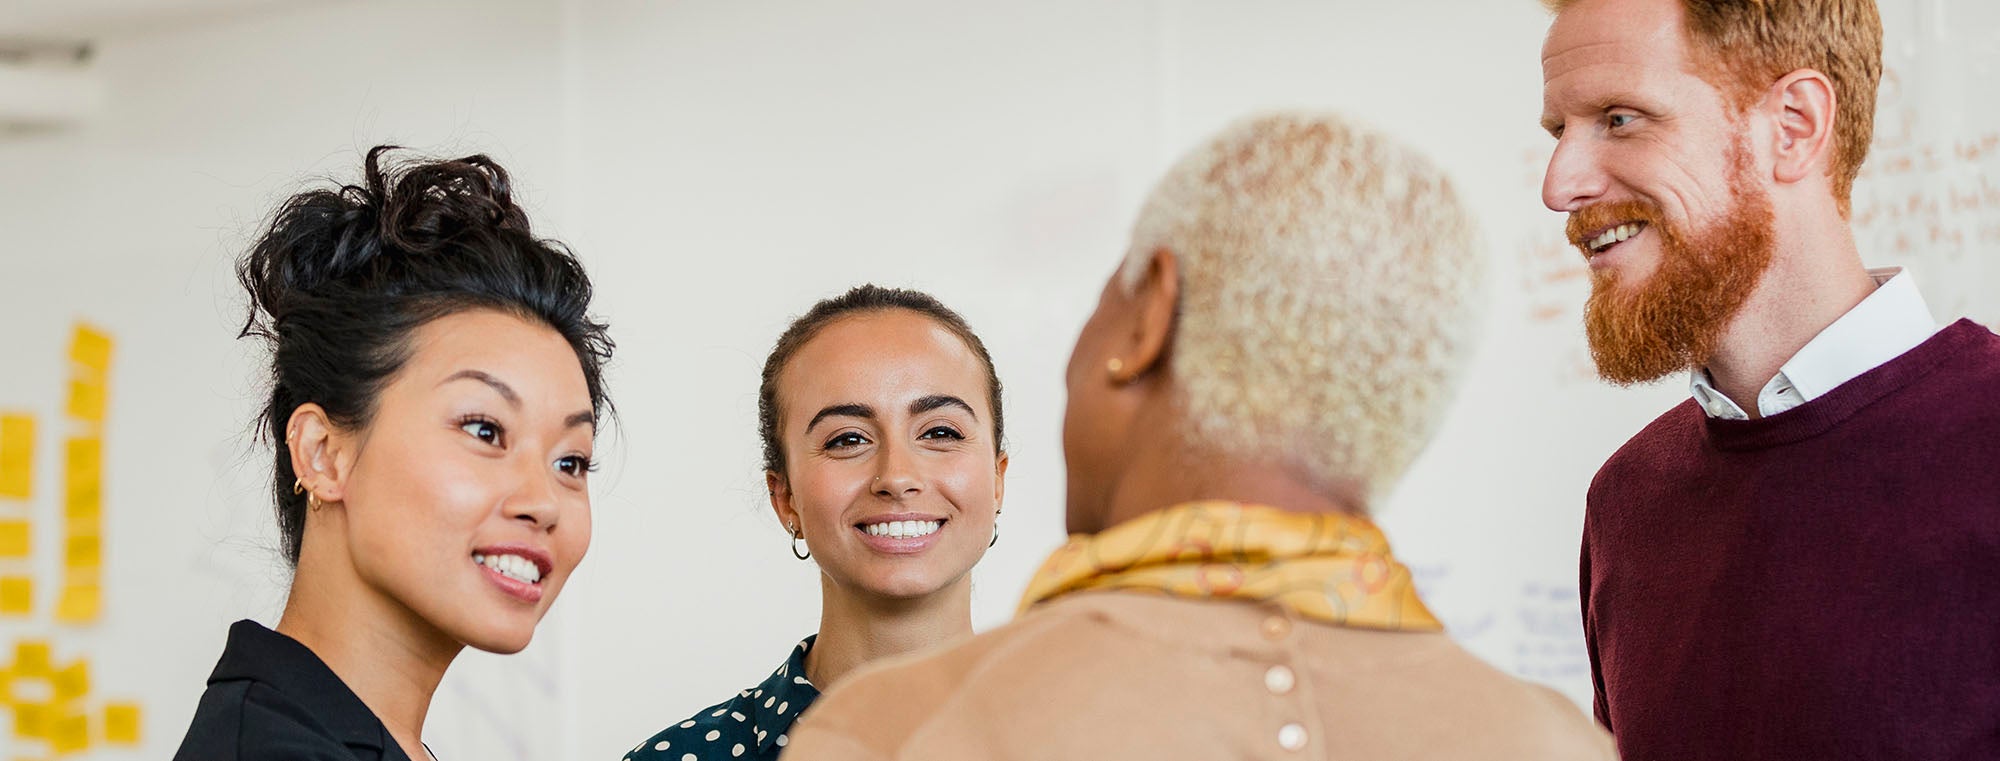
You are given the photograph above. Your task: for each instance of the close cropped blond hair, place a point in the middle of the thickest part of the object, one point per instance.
(1743, 46)
(1328, 278)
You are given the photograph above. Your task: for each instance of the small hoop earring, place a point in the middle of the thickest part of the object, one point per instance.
(996, 536)
(796, 538)
(299, 485)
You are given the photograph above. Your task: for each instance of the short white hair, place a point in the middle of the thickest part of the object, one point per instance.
(1328, 286)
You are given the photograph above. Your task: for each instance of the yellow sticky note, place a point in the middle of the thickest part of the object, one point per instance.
(17, 596)
(86, 400)
(79, 604)
(31, 720)
(70, 733)
(17, 456)
(31, 660)
(83, 551)
(121, 723)
(83, 459)
(14, 537)
(83, 505)
(91, 348)
(72, 682)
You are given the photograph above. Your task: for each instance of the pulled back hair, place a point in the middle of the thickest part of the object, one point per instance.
(344, 276)
(862, 299)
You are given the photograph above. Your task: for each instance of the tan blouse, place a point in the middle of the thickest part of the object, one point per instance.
(1132, 675)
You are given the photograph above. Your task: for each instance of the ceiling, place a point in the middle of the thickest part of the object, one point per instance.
(74, 19)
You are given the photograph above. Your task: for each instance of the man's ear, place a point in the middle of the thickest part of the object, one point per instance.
(1803, 104)
(322, 453)
(1155, 303)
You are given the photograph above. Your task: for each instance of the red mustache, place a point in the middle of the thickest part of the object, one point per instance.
(1587, 222)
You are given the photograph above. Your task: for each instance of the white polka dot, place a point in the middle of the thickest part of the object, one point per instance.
(663, 745)
(768, 701)
(686, 724)
(719, 712)
(736, 751)
(781, 741)
(712, 734)
(798, 680)
(781, 707)
(757, 694)
(760, 735)
(689, 757)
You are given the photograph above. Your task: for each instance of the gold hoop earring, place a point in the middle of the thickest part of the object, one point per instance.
(796, 538)
(298, 485)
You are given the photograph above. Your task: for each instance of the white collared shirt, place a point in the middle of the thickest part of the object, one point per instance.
(1891, 320)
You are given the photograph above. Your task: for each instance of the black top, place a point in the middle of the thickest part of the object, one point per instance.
(272, 698)
(748, 727)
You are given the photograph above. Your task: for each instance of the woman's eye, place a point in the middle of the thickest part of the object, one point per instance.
(576, 465)
(942, 432)
(846, 440)
(483, 430)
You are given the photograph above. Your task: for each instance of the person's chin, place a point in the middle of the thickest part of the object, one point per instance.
(498, 637)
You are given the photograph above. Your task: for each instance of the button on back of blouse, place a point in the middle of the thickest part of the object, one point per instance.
(1279, 679)
(1276, 627)
(1291, 737)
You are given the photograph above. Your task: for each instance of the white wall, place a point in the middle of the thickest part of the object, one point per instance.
(719, 166)
(133, 223)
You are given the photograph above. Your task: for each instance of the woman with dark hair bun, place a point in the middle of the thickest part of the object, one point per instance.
(884, 457)
(435, 386)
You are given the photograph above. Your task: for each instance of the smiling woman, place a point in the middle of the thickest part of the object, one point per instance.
(881, 419)
(435, 383)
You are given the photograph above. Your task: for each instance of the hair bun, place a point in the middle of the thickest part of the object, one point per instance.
(433, 203)
(323, 242)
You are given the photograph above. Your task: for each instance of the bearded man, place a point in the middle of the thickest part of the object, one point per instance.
(1802, 561)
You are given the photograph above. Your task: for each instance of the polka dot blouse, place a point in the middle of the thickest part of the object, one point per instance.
(750, 726)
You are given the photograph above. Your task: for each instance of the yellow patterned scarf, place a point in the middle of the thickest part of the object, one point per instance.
(1332, 568)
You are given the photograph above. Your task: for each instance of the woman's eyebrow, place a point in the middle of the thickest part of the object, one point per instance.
(849, 409)
(938, 401)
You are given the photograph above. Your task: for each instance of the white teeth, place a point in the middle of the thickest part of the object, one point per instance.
(511, 566)
(904, 529)
(1617, 234)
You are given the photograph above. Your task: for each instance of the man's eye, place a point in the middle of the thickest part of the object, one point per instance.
(483, 430)
(1620, 120)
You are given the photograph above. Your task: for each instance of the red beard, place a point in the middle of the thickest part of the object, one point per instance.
(1672, 320)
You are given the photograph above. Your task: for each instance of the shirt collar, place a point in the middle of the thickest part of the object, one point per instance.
(780, 699)
(1892, 320)
(257, 654)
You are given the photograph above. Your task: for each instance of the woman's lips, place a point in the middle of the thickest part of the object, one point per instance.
(902, 533)
(515, 569)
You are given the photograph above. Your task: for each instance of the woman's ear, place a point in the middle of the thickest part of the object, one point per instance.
(781, 502)
(999, 482)
(322, 453)
(1155, 301)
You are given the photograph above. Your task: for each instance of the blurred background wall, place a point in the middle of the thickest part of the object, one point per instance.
(718, 167)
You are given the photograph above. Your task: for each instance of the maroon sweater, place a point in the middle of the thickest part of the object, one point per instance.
(1820, 584)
